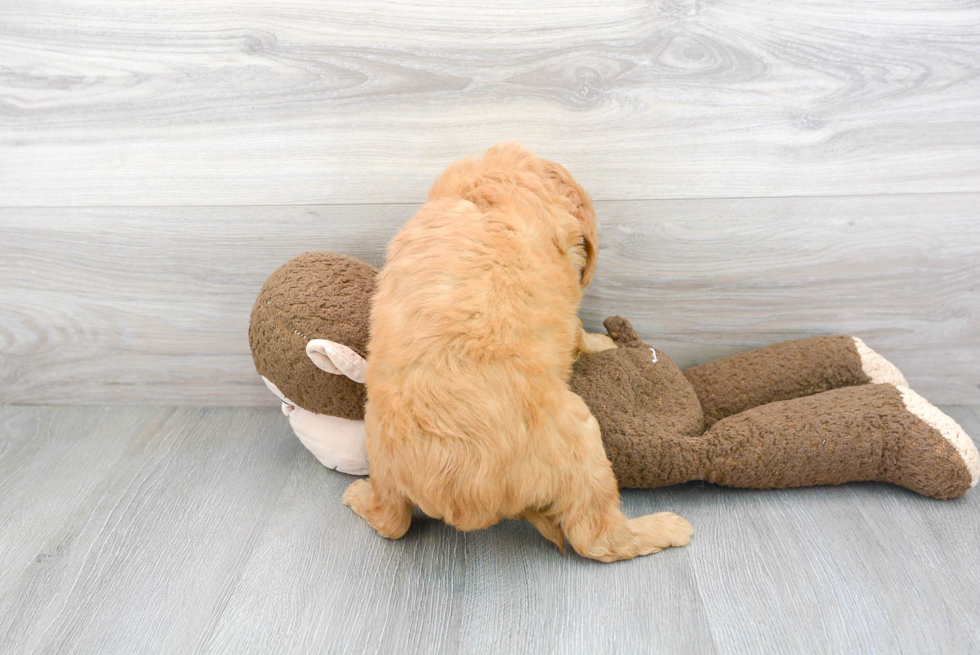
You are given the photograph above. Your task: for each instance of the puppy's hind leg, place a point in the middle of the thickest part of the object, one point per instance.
(589, 508)
(547, 526)
(385, 510)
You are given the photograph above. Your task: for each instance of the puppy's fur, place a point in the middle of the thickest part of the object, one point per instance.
(474, 329)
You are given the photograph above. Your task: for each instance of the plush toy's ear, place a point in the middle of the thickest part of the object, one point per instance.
(336, 358)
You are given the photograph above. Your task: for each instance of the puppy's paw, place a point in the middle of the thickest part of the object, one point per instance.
(595, 343)
(360, 498)
(357, 494)
(390, 516)
(663, 530)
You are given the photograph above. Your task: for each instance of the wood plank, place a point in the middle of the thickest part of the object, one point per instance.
(259, 102)
(348, 590)
(150, 305)
(152, 545)
(48, 468)
(441, 591)
(831, 567)
(706, 279)
(214, 531)
(830, 570)
(572, 605)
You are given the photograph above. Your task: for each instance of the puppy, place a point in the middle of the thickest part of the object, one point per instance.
(474, 329)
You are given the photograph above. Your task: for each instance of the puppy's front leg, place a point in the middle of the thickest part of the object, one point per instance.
(387, 512)
(589, 343)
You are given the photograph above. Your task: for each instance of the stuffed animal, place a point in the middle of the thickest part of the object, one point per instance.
(822, 410)
(308, 333)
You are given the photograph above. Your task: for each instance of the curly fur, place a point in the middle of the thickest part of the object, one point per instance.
(474, 330)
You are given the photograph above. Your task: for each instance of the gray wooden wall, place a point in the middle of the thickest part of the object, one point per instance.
(763, 171)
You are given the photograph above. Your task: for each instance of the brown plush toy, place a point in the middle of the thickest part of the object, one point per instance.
(308, 334)
(823, 410)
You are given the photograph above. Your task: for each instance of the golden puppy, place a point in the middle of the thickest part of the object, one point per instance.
(474, 329)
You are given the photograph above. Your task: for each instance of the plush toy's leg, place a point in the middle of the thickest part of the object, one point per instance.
(782, 371)
(385, 510)
(868, 432)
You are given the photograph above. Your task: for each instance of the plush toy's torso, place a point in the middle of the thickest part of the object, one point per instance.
(643, 407)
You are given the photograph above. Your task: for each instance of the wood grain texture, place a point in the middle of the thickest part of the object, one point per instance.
(214, 531)
(152, 544)
(150, 305)
(706, 279)
(257, 102)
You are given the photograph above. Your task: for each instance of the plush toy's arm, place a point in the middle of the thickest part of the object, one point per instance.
(868, 432)
(786, 370)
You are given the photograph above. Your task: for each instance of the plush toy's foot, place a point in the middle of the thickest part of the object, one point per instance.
(388, 513)
(868, 432)
(878, 369)
(950, 431)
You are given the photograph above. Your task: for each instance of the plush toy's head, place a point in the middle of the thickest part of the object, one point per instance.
(308, 334)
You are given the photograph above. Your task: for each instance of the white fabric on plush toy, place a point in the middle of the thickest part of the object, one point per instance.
(336, 358)
(338, 443)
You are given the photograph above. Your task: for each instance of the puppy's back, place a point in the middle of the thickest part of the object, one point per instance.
(468, 286)
(472, 330)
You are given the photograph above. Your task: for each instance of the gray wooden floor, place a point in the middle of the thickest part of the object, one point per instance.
(189, 530)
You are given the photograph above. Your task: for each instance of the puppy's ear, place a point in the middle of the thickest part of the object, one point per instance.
(336, 358)
(590, 241)
(580, 206)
